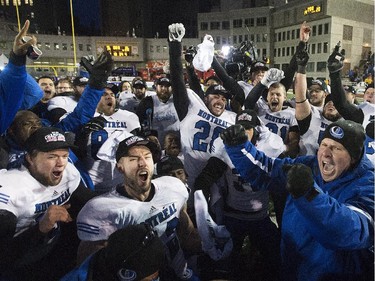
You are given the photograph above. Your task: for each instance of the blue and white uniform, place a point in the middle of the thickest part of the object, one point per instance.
(309, 141)
(28, 199)
(105, 214)
(103, 173)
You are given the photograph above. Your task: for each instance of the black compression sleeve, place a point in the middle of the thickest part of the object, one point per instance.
(304, 124)
(180, 98)
(347, 110)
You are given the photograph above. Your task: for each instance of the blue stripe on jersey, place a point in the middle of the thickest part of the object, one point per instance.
(89, 228)
(4, 198)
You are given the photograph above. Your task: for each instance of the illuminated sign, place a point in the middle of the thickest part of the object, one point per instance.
(119, 50)
(312, 10)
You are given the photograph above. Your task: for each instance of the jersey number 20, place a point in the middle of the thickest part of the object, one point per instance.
(201, 141)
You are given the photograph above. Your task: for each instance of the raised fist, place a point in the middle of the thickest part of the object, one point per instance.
(336, 59)
(176, 32)
(299, 179)
(234, 135)
(99, 70)
(273, 75)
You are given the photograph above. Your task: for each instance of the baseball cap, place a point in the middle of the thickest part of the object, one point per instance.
(217, 89)
(80, 81)
(258, 66)
(164, 81)
(112, 87)
(139, 83)
(327, 99)
(350, 89)
(132, 253)
(47, 139)
(350, 134)
(248, 118)
(212, 77)
(129, 142)
(320, 84)
(167, 164)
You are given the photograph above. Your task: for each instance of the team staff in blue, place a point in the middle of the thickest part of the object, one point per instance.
(13, 80)
(327, 231)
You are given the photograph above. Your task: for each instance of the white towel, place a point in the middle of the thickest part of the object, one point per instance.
(216, 240)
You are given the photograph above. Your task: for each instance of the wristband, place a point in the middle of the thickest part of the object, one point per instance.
(301, 101)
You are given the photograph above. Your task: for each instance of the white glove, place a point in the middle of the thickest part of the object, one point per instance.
(176, 32)
(273, 75)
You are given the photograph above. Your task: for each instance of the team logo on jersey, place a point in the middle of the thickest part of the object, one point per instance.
(42, 207)
(163, 215)
(337, 132)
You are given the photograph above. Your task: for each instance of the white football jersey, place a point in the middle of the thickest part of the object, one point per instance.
(25, 197)
(130, 102)
(241, 201)
(164, 118)
(103, 173)
(105, 214)
(278, 122)
(200, 135)
(309, 141)
(368, 110)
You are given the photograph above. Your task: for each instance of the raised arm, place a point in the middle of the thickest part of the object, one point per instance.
(303, 108)
(90, 98)
(180, 98)
(347, 110)
(304, 35)
(13, 79)
(272, 76)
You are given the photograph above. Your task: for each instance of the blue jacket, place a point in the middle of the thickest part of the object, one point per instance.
(80, 273)
(328, 237)
(32, 95)
(12, 88)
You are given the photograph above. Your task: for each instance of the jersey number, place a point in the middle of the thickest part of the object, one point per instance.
(97, 139)
(201, 140)
(274, 129)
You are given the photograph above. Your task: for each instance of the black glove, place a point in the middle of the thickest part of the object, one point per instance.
(95, 124)
(234, 135)
(336, 59)
(299, 179)
(190, 54)
(302, 57)
(99, 70)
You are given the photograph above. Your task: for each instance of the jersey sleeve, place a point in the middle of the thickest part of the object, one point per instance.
(95, 223)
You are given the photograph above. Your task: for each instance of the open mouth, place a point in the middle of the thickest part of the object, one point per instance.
(327, 168)
(143, 176)
(57, 174)
(218, 106)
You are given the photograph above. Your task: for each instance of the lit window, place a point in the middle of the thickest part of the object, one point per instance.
(57, 46)
(47, 46)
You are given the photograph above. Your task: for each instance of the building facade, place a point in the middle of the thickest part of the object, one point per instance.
(272, 25)
(275, 30)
